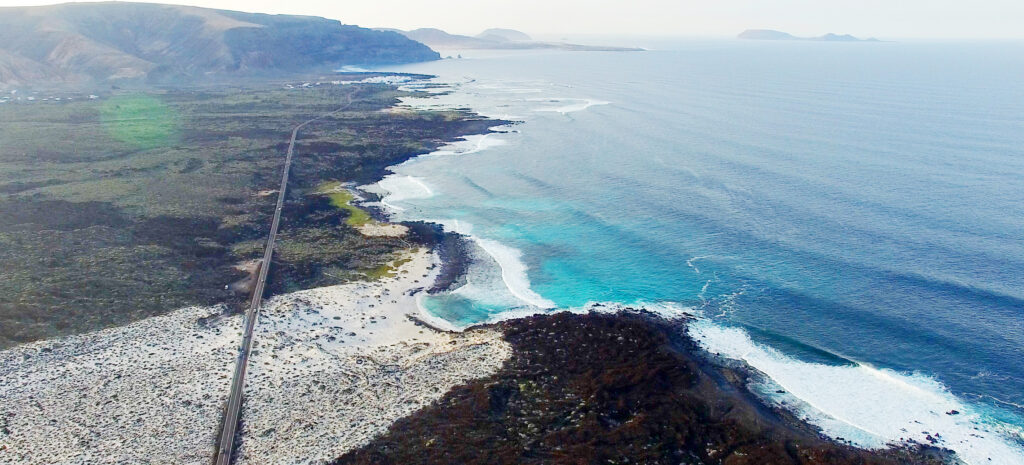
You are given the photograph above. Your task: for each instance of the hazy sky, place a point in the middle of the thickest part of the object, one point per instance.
(881, 18)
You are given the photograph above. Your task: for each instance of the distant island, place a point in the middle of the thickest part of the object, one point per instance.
(497, 39)
(769, 34)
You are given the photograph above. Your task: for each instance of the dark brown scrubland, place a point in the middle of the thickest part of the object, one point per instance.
(609, 389)
(143, 201)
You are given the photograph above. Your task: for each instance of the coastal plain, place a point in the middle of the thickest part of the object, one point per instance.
(130, 203)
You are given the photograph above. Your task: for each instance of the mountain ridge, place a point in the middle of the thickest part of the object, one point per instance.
(77, 43)
(497, 39)
(503, 35)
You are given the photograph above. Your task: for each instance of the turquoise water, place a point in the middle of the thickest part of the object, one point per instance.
(848, 218)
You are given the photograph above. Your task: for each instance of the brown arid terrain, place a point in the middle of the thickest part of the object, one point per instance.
(136, 203)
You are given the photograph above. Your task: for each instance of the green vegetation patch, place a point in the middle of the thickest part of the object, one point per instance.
(342, 198)
(387, 270)
(135, 204)
(141, 121)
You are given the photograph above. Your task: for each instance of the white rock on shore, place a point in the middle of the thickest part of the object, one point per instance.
(335, 366)
(148, 392)
(331, 368)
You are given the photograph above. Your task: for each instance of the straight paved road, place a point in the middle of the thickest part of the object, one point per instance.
(234, 404)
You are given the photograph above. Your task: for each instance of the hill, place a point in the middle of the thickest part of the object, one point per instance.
(89, 42)
(436, 38)
(766, 34)
(503, 35)
(498, 39)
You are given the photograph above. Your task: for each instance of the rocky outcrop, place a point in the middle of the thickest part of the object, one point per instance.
(608, 388)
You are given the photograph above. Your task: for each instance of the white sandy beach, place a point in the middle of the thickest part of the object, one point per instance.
(332, 368)
(335, 366)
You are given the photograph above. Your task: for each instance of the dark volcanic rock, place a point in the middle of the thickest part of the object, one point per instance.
(599, 388)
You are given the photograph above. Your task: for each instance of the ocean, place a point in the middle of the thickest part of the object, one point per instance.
(847, 218)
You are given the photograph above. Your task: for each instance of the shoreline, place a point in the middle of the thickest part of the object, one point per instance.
(316, 351)
(309, 396)
(336, 366)
(767, 404)
(167, 363)
(336, 370)
(331, 368)
(597, 387)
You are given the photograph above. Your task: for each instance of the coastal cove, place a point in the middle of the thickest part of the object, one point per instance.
(774, 220)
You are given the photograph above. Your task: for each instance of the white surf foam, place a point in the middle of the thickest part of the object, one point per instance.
(567, 105)
(387, 79)
(509, 88)
(513, 272)
(517, 312)
(868, 406)
(352, 69)
(666, 310)
(507, 259)
(509, 262)
(480, 142)
(468, 145)
(429, 318)
(521, 298)
(692, 262)
(399, 188)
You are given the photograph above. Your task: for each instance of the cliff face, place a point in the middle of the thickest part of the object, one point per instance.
(117, 41)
